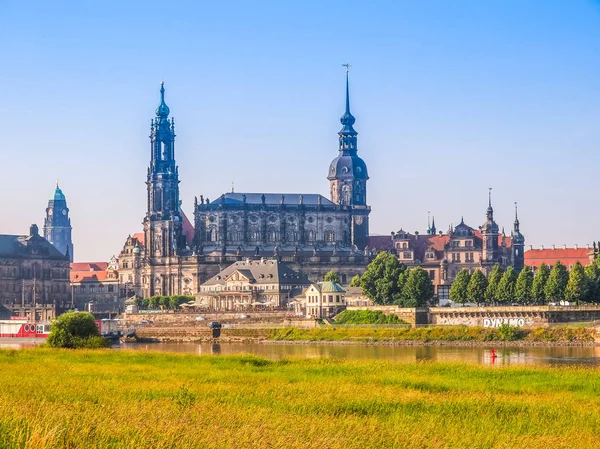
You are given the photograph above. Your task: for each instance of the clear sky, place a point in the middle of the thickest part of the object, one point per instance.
(450, 98)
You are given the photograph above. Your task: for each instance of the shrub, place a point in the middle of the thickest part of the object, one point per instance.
(508, 333)
(74, 330)
(367, 317)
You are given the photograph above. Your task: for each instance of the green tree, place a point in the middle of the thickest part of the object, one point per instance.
(576, 285)
(506, 288)
(418, 288)
(592, 281)
(75, 330)
(458, 291)
(477, 287)
(523, 289)
(383, 279)
(538, 290)
(355, 281)
(153, 302)
(557, 282)
(494, 279)
(332, 276)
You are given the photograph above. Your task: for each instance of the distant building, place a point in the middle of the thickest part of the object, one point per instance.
(95, 286)
(354, 297)
(57, 224)
(324, 300)
(34, 276)
(462, 247)
(567, 256)
(252, 284)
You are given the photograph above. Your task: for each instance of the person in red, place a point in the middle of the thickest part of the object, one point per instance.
(493, 356)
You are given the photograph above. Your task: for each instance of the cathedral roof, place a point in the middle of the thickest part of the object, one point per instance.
(271, 199)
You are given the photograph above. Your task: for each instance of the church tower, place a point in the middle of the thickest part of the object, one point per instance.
(489, 235)
(348, 177)
(57, 224)
(518, 245)
(163, 223)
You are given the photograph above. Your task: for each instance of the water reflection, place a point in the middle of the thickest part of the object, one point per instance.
(576, 355)
(558, 355)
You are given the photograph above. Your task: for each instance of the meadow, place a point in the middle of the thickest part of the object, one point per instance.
(560, 334)
(119, 399)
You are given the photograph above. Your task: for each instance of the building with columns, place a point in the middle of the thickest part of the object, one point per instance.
(57, 224)
(312, 233)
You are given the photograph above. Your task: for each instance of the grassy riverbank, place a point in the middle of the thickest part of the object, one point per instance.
(119, 399)
(433, 334)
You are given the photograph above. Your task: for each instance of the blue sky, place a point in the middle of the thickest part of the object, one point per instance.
(450, 98)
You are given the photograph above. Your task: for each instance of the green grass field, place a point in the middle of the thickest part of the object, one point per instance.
(119, 399)
(434, 333)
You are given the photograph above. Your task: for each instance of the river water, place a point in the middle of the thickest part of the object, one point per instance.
(547, 355)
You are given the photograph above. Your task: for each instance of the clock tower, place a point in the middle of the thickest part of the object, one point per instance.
(57, 224)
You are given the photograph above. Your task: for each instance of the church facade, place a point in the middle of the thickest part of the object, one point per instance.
(311, 233)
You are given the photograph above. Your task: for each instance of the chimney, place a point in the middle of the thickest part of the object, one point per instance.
(530, 247)
(564, 246)
(553, 246)
(542, 246)
(576, 246)
(587, 245)
(33, 230)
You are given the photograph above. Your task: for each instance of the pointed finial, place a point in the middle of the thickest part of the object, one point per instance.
(490, 196)
(162, 110)
(516, 212)
(57, 183)
(347, 119)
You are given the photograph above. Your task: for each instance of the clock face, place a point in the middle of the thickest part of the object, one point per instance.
(64, 211)
(358, 220)
(50, 212)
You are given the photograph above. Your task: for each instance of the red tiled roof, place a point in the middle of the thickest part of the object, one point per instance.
(567, 256)
(87, 276)
(89, 266)
(139, 236)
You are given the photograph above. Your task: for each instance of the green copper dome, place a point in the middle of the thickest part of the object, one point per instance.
(58, 194)
(162, 110)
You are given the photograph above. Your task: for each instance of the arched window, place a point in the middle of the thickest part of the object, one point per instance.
(329, 235)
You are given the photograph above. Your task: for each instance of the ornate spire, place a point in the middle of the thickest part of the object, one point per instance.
(347, 119)
(490, 210)
(516, 217)
(162, 110)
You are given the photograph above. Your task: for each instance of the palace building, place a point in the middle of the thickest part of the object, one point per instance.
(312, 233)
(462, 247)
(34, 276)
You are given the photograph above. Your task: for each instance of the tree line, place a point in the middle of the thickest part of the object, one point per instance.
(548, 284)
(162, 302)
(386, 281)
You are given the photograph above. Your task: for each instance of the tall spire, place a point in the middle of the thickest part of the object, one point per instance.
(347, 119)
(516, 218)
(162, 110)
(490, 210)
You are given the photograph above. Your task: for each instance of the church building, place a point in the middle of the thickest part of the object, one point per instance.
(312, 233)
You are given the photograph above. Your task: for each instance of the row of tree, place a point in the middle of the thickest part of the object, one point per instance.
(163, 302)
(546, 285)
(387, 281)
